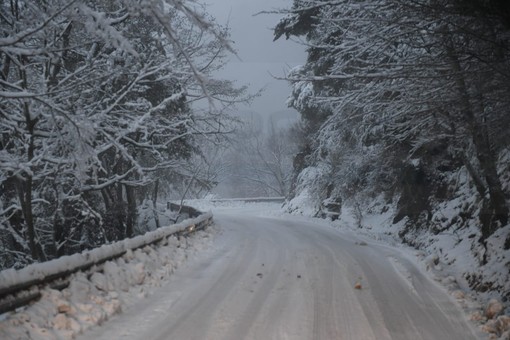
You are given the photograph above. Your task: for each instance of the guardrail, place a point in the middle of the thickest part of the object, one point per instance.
(20, 287)
(251, 199)
(183, 209)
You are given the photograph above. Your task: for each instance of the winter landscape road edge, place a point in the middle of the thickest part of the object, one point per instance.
(17, 286)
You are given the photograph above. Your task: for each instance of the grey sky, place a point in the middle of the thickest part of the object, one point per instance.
(260, 56)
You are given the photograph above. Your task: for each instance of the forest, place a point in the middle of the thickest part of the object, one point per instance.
(401, 102)
(399, 97)
(404, 114)
(392, 155)
(96, 118)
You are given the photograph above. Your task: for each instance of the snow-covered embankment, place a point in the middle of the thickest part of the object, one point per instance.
(93, 296)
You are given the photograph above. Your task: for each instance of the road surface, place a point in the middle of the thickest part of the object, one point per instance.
(275, 278)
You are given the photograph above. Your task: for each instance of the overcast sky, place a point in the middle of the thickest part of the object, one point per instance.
(260, 56)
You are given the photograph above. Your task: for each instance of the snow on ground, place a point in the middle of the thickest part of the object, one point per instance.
(452, 255)
(291, 277)
(252, 208)
(37, 271)
(94, 297)
(450, 258)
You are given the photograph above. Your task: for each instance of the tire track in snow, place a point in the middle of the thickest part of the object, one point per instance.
(216, 302)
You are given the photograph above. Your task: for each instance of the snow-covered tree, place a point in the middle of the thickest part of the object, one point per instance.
(420, 85)
(95, 115)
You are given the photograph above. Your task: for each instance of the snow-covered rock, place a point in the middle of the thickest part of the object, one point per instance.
(499, 327)
(493, 309)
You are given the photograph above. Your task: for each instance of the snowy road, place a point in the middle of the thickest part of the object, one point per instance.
(271, 278)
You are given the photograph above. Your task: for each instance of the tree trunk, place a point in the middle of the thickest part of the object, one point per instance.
(480, 186)
(26, 186)
(131, 210)
(106, 199)
(25, 198)
(5, 69)
(497, 209)
(154, 204)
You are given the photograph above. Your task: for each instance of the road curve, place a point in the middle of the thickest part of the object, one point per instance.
(274, 278)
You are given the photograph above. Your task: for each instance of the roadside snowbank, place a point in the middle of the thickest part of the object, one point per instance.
(38, 271)
(453, 257)
(93, 297)
(448, 249)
